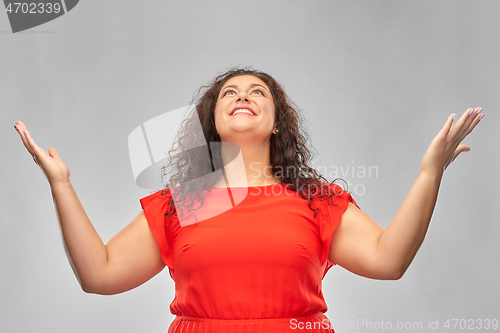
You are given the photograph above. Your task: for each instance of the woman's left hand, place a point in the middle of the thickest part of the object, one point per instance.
(446, 145)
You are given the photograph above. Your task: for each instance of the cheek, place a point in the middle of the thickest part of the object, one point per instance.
(217, 117)
(273, 111)
(217, 113)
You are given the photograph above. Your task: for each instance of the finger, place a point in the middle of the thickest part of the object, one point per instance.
(460, 149)
(475, 119)
(463, 120)
(473, 114)
(460, 130)
(54, 153)
(39, 153)
(469, 118)
(21, 128)
(447, 126)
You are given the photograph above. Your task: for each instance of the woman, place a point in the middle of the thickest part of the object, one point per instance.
(255, 265)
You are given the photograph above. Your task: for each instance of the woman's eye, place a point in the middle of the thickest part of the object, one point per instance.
(259, 91)
(227, 91)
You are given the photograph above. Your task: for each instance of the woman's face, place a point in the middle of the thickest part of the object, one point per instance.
(245, 107)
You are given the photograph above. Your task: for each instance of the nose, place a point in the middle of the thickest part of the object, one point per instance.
(242, 95)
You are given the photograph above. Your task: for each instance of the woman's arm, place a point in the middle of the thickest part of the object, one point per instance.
(126, 261)
(361, 246)
(129, 259)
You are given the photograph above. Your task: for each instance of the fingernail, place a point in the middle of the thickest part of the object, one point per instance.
(481, 116)
(479, 110)
(467, 150)
(470, 112)
(453, 116)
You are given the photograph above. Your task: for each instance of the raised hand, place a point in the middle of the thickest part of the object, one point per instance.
(51, 164)
(446, 146)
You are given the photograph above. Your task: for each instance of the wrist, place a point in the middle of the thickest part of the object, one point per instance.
(434, 176)
(60, 185)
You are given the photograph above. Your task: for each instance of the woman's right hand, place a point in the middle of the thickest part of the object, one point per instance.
(52, 166)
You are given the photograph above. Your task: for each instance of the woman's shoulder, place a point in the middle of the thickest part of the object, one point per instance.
(159, 198)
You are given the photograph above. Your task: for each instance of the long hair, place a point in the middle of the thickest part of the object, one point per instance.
(290, 155)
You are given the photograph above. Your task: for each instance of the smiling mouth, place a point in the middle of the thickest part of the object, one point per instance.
(243, 111)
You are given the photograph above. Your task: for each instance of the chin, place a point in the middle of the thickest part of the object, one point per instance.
(236, 134)
(240, 130)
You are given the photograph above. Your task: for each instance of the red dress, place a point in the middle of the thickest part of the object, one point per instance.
(257, 267)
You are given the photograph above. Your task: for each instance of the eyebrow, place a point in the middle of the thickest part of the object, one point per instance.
(251, 86)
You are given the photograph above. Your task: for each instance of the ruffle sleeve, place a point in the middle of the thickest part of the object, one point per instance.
(155, 206)
(329, 219)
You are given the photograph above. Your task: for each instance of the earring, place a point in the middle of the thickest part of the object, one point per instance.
(276, 131)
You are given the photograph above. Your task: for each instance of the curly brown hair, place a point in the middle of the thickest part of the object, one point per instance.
(289, 150)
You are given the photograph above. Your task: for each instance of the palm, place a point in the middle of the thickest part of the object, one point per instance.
(446, 145)
(51, 164)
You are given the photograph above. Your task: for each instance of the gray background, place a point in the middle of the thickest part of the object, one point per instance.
(376, 81)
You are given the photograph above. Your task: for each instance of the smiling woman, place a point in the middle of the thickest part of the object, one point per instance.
(258, 264)
(244, 115)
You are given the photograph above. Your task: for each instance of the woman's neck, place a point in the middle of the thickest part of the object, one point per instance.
(246, 166)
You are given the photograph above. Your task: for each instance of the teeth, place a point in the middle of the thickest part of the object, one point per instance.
(242, 110)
